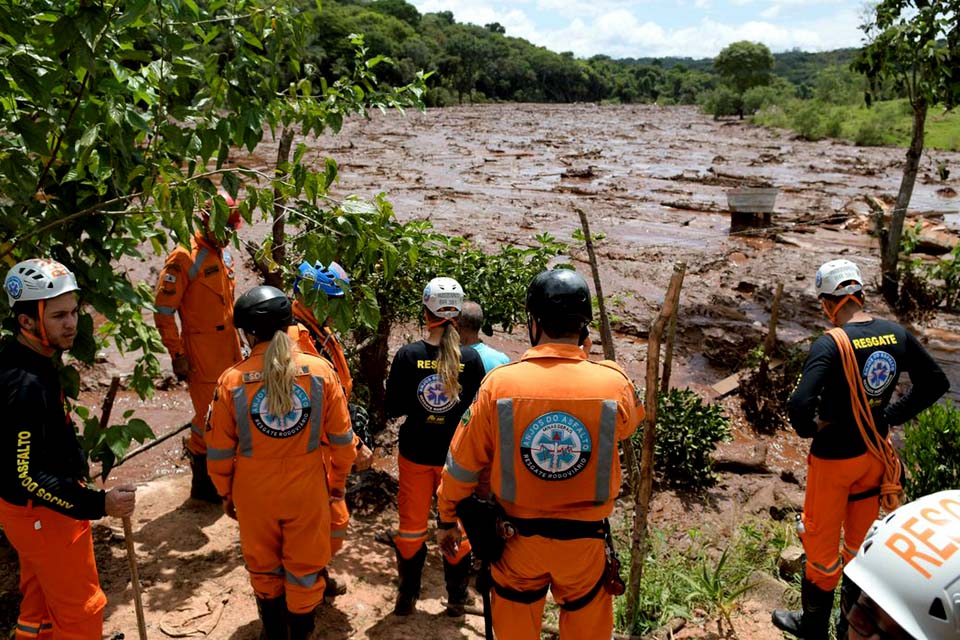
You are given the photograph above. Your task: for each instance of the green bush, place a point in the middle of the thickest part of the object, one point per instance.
(688, 430)
(871, 132)
(808, 120)
(722, 101)
(931, 452)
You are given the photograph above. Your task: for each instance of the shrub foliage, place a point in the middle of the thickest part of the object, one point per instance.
(931, 452)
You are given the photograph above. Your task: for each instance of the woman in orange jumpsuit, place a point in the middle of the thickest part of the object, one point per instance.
(431, 383)
(263, 436)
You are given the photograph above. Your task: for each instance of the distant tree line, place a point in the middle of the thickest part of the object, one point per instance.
(482, 63)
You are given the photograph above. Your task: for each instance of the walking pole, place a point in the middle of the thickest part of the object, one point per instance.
(134, 578)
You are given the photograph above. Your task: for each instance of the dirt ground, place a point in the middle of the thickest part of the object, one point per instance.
(653, 180)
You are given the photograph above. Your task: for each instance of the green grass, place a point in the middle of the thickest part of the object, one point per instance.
(885, 123)
(709, 571)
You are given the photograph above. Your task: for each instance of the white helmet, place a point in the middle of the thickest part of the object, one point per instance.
(834, 273)
(443, 297)
(38, 279)
(909, 565)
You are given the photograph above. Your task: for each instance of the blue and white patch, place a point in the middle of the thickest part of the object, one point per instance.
(14, 286)
(228, 262)
(426, 294)
(433, 395)
(819, 279)
(284, 426)
(879, 372)
(556, 446)
(169, 277)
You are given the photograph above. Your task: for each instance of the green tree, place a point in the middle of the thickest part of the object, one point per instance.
(119, 120)
(744, 65)
(914, 44)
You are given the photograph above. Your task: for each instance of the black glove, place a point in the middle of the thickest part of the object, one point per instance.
(359, 421)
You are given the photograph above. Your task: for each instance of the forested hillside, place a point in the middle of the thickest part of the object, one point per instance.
(477, 63)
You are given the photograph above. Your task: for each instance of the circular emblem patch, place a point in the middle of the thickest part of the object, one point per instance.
(879, 372)
(227, 259)
(433, 395)
(555, 446)
(819, 278)
(281, 426)
(14, 287)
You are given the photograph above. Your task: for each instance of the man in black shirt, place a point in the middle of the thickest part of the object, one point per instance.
(845, 474)
(45, 507)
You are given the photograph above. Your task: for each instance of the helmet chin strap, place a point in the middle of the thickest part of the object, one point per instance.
(832, 316)
(534, 339)
(41, 339)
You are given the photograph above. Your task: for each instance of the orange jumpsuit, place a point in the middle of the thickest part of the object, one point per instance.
(306, 336)
(274, 471)
(547, 427)
(198, 285)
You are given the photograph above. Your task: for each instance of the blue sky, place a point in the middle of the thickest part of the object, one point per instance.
(694, 28)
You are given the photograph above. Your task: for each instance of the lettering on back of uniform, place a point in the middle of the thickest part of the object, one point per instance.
(556, 446)
(287, 425)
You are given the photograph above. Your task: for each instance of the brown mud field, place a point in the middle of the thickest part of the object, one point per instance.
(653, 180)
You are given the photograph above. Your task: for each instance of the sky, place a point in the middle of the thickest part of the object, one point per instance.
(658, 28)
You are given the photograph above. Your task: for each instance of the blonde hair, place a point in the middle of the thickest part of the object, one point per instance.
(279, 372)
(448, 364)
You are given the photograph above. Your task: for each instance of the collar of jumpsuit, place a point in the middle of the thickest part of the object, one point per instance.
(555, 350)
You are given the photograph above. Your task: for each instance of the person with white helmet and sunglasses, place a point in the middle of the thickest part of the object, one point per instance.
(908, 573)
(431, 383)
(843, 402)
(45, 504)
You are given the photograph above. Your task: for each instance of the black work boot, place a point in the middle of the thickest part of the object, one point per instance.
(410, 570)
(301, 625)
(849, 594)
(457, 577)
(201, 486)
(273, 615)
(332, 587)
(813, 623)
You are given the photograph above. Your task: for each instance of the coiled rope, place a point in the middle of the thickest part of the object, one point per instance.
(880, 448)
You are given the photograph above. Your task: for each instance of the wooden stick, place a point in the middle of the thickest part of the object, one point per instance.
(643, 490)
(771, 342)
(668, 358)
(134, 578)
(107, 407)
(605, 333)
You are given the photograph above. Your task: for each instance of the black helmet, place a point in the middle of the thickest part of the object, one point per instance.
(262, 311)
(559, 300)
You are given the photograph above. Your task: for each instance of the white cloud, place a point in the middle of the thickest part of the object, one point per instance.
(625, 28)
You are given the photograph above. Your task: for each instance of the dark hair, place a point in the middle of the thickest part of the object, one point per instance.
(29, 307)
(471, 316)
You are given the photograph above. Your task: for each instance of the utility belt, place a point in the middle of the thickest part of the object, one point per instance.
(489, 527)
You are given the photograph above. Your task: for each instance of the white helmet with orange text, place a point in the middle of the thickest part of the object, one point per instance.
(38, 279)
(909, 564)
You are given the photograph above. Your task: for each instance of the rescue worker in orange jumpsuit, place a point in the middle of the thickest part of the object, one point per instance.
(197, 284)
(45, 507)
(845, 479)
(319, 339)
(268, 416)
(547, 428)
(431, 383)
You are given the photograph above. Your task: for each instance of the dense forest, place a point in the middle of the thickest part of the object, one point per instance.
(473, 63)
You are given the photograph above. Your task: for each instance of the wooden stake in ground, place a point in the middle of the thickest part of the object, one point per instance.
(643, 490)
(135, 578)
(105, 411)
(770, 344)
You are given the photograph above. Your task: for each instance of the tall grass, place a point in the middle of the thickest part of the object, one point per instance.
(885, 123)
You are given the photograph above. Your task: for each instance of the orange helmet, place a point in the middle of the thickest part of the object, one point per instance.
(233, 219)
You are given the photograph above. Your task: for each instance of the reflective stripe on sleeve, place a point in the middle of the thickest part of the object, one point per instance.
(460, 473)
(606, 446)
(341, 439)
(166, 311)
(244, 435)
(508, 477)
(219, 454)
(195, 268)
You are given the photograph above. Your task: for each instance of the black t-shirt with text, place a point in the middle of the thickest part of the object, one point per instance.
(40, 457)
(415, 390)
(884, 350)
